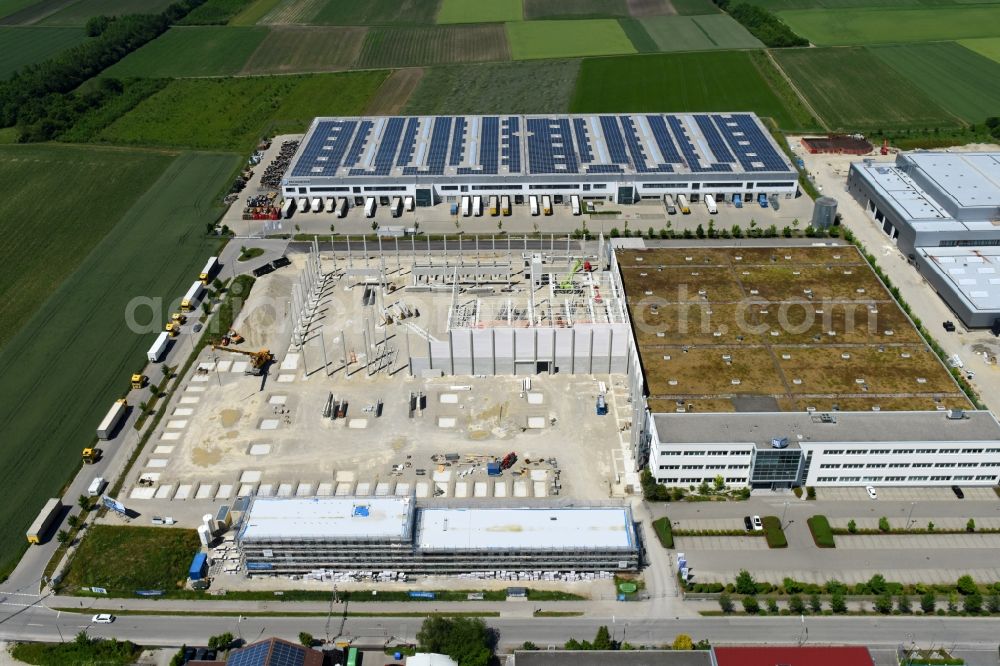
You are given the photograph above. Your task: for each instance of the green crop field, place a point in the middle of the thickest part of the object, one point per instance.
(74, 356)
(8, 7)
(523, 87)
(28, 45)
(306, 49)
(781, 5)
(377, 12)
(694, 7)
(963, 82)
(841, 27)
(561, 9)
(853, 89)
(77, 13)
(567, 39)
(479, 11)
(191, 51)
(698, 33)
(233, 114)
(254, 12)
(715, 81)
(989, 47)
(433, 45)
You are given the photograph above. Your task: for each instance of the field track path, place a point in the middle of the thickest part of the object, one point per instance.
(798, 92)
(392, 96)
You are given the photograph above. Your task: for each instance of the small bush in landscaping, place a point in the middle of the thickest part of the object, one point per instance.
(750, 605)
(883, 524)
(725, 603)
(773, 533)
(821, 532)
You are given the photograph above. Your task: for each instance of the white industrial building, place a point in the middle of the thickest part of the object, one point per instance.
(612, 157)
(784, 449)
(943, 210)
(296, 536)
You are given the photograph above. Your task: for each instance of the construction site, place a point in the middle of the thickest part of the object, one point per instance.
(490, 374)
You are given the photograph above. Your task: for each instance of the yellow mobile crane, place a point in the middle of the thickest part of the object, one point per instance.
(258, 359)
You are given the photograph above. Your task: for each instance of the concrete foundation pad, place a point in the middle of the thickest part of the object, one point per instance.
(324, 489)
(177, 424)
(224, 492)
(286, 379)
(423, 490)
(446, 422)
(344, 489)
(268, 424)
(250, 476)
(402, 489)
(183, 411)
(357, 424)
(165, 491)
(190, 400)
(540, 489)
(150, 477)
(344, 476)
(266, 490)
(304, 490)
(500, 489)
(539, 475)
(207, 366)
(156, 462)
(536, 398)
(194, 389)
(277, 400)
(363, 489)
(224, 366)
(201, 379)
(480, 489)
(291, 362)
(382, 489)
(183, 491)
(461, 489)
(170, 436)
(142, 493)
(205, 491)
(246, 490)
(240, 367)
(449, 398)
(284, 490)
(520, 489)
(163, 450)
(536, 422)
(440, 489)
(260, 449)
(443, 475)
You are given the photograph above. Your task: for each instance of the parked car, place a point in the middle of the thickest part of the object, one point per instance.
(748, 523)
(958, 492)
(758, 524)
(871, 492)
(103, 618)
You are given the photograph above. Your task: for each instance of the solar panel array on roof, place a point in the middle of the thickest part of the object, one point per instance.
(268, 653)
(537, 145)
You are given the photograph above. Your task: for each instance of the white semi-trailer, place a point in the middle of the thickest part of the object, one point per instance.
(710, 204)
(396, 207)
(466, 206)
(533, 204)
(477, 205)
(370, 207)
(112, 419)
(303, 205)
(190, 299)
(287, 208)
(547, 204)
(575, 201)
(159, 346)
(342, 207)
(317, 205)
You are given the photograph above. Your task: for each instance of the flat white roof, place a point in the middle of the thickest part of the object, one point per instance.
(576, 528)
(972, 272)
(328, 518)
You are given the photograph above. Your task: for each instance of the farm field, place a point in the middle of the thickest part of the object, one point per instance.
(567, 39)
(527, 87)
(292, 12)
(844, 27)
(73, 357)
(433, 45)
(694, 7)
(191, 51)
(232, 114)
(254, 12)
(479, 11)
(560, 9)
(989, 47)
(718, 81)
(77, 13)
(377, 12)
(963, 82)
(698, 33)
(780, 5)
(306, 49)
(28, 45)
(839, 84)
(8, 7)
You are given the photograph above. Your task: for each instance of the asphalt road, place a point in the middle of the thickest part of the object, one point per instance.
(42, 624)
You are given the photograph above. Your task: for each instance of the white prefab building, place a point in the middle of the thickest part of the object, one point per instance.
(292, 535)
(783, 449)
(614, 157)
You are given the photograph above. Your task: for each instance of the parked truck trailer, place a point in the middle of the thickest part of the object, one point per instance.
(477, 205)
(533, 203)
(506, 204)
(396, 208)
(190, 300)
(547, 204)
(466, 206)
(112, 419)
(36, 533)
(575, 201)
(155, 352)
(682, 203)
(209, 270)
(710, 204)
(287, 208)
(370, 207)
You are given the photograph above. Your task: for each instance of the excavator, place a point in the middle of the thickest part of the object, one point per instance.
(258, 359)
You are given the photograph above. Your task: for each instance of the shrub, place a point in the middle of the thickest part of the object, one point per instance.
(966, 585)
(876, 584)
(883, 603)
(750, 605)
(852, 526)
(745, 583)
(971, 525)
(798, 491)
(927, 602)
(903, 604)
(837, 603)
(810, 491)
(973, 603)
(772, 605)
(726, 603)
(815, 603)
(773, 533)
(796, 605)
(883, 524)
(822, 535)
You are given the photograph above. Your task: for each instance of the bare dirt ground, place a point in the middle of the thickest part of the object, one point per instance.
(639, 8)
(393, 95)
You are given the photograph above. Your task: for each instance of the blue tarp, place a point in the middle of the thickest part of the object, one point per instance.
(199, 566)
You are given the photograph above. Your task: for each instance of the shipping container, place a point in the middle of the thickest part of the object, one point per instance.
(547, 204)
(533, 203)
(506, 204)
(36, 533)
(738, 200)
(199, 567)
(477, 205)
(370, 206)
(342, 207)
(209, 270)
(575, 202)
(190, 300)
(159, 346)
(112, 419)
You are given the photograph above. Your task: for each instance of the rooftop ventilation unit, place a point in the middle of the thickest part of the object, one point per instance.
(956, 414)
(779, 442)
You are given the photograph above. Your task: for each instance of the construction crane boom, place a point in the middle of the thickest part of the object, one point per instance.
(258, 359)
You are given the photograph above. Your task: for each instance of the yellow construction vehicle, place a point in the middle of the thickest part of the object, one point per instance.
(139, 381)
(90, 456)
(258, 359)
(235, 337)
(173, 329)
(178, 317)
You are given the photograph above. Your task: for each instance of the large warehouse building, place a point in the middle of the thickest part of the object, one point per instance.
(619, 158)
(296, 536)
(943, 210)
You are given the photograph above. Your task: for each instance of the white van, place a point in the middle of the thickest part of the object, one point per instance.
(96, 486)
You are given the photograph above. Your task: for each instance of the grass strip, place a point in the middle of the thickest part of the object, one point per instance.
(664, 532)
(237, 613)
(822, 535)
(773, 533)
